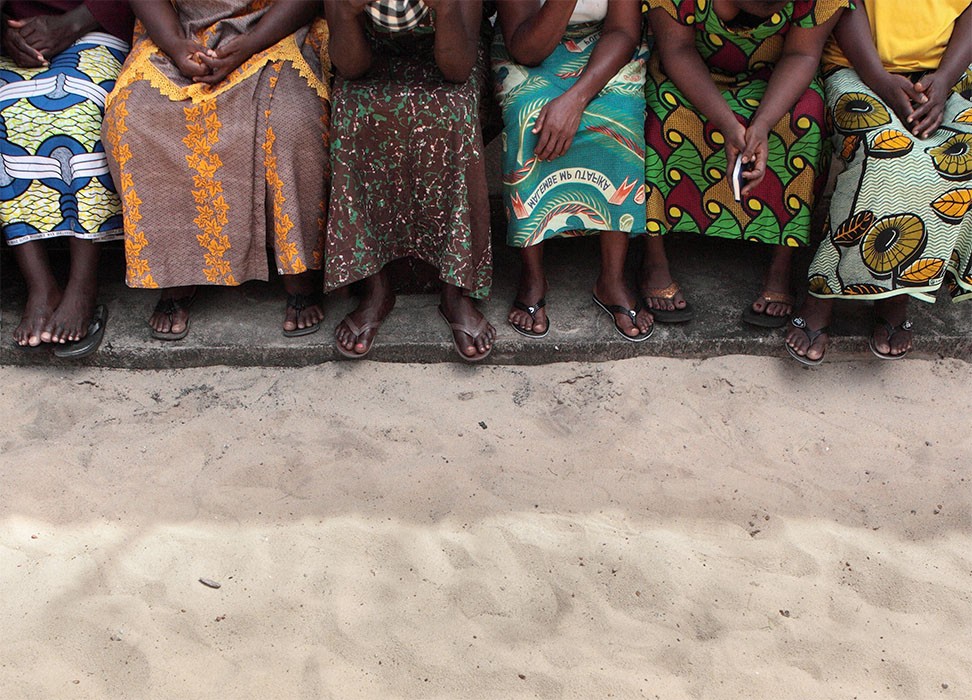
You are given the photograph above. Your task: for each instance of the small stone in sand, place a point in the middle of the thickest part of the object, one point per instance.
(209, 582)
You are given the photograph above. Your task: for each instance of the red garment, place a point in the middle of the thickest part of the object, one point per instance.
(114, 16)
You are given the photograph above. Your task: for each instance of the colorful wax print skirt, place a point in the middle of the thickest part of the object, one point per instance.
(900, 220)
(409, 178)
(685, 166)
(598, 185)
(54, 178)
(210, 177)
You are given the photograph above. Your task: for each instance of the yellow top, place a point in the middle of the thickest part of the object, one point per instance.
(910, 35)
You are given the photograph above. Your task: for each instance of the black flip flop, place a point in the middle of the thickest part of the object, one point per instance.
(299, 302)
(761, 319)
(904, 326)
(90, 342)
(169, 307)
(532, 310)
(812, 336)
(630, 313)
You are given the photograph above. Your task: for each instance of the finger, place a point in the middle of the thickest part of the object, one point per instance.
(541, 119)
(29, 58)
(16, 23)
(928, 123)
(752, 184)
(542, 149)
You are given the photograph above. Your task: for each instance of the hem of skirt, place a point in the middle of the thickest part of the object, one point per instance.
(740, 237)
(477, 294)
(566, 233)
(100, 237)
(925, 294)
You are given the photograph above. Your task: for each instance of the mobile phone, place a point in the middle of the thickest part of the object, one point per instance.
(738, 181)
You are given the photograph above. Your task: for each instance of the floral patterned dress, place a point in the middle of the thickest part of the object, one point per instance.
(900, 220)
(210, 177)
(685, 164)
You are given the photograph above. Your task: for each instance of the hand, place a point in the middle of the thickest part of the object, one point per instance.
(22, 53)
(753, 144)
(557, 125)
(187, 57)
(900, 94)
(47, 35)
(735, 144)
(927, 117)
(226, 59)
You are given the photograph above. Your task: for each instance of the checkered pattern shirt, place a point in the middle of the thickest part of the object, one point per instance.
(397, 15)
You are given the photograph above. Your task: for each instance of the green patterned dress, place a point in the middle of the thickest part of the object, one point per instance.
(598, 184)
(408, 172)
(686, 163)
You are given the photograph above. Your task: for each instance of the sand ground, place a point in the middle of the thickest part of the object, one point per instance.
(728, 528)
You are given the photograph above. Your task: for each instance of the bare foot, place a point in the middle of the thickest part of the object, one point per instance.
(38, 311)
(71, 319)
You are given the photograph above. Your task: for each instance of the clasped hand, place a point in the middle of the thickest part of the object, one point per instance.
(212, 66)
(33, 42)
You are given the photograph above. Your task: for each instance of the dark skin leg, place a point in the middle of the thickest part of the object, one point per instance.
(655, 274)
(377, 302)
(459, 308)
(43, 292)
(177, 323)
(610, 287)
(531, 289)
(777, 280)
(817, 313)
(894, 310)
(304, 283)
(73, 315)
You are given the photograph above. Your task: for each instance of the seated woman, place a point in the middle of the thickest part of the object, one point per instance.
(570, 77)
(58, 61)
(899, 93)
(734, 79)
(408, 171)
(218, 141)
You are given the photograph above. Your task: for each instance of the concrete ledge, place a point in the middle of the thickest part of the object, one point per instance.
(240, 326)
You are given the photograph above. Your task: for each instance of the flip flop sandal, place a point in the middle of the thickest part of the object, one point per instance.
(299, 302)
(532, 310)
(170, 307)
(90, 342)
(801, 325)
(764, 320)
(358, 332)
(667, 315)
(630, 313)
(904, 326)
(472, 331)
